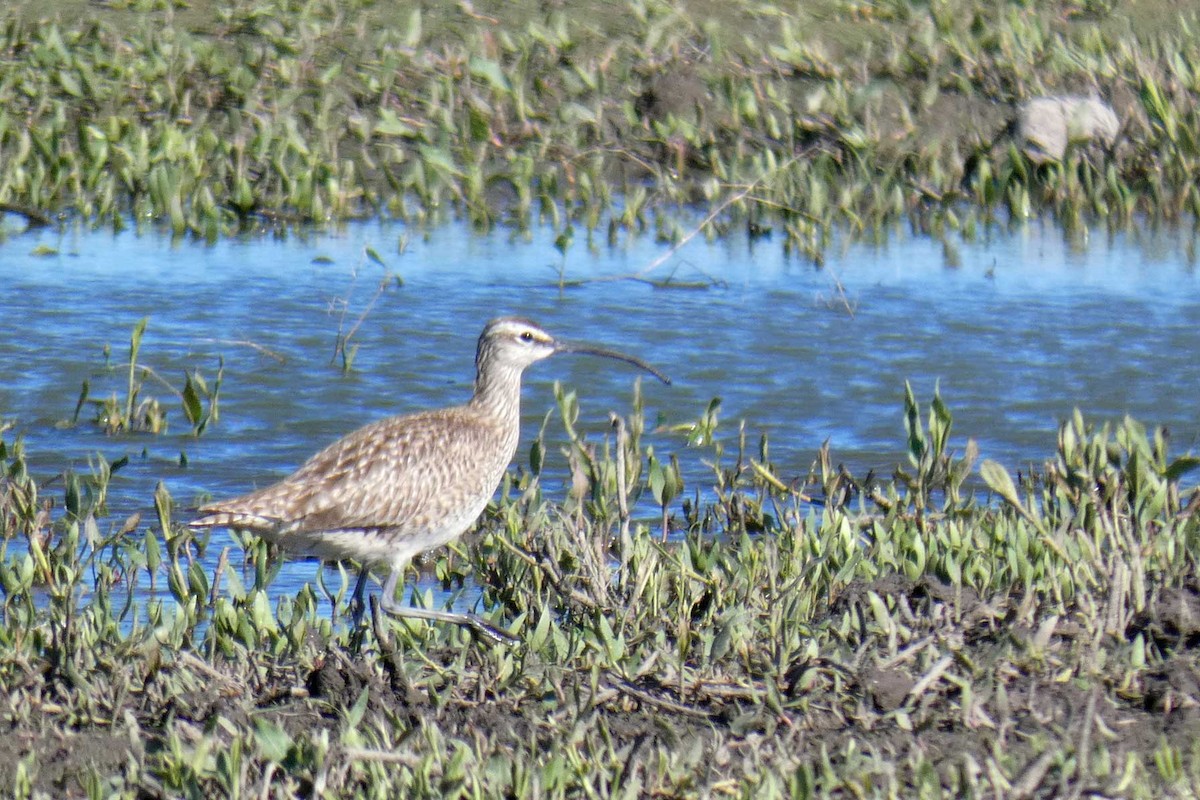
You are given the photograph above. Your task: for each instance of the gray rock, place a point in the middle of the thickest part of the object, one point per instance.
(1046, 125)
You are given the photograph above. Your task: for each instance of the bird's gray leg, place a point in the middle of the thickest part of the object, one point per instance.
(357, 604)
(478, 624)
(357, 608)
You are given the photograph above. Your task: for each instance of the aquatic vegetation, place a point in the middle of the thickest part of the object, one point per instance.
(147, 414)
(343, 349)
(795, 636)
(222, 117)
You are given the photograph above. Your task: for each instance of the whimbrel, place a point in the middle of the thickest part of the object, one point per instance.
(407, 484)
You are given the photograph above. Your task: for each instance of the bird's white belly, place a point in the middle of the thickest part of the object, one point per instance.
(393, 546)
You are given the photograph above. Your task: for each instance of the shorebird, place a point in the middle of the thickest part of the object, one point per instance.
(410, 483)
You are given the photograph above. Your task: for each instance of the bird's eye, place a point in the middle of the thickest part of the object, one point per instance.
(526, 336)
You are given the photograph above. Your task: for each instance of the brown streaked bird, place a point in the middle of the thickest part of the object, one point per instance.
(407, 484)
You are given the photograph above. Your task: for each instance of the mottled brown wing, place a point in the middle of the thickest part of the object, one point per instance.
(398, 473)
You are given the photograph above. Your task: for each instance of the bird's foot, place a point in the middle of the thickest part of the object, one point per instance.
(480, 626)
(473, 621)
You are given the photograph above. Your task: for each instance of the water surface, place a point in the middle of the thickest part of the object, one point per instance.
(1017, 330)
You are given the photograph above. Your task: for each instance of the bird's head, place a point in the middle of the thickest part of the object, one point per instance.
(515, 342)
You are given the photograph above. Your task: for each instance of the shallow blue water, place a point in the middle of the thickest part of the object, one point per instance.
(1022, 329)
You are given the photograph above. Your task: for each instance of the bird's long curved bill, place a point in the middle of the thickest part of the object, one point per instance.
(587, 349)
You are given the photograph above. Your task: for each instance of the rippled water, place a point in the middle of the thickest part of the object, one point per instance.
(1019, 331)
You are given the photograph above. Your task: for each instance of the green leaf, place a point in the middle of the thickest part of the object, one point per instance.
(490, 71)
(135, 339)
(153, 552)
(672, 481)
(273, 741)
(69, 83)
(440, 160)
(563, 241)
(940, 422)
(541, 631)
(330, 73)
(412, 38)
(391, 125)
(1180, 467)
(236, 588)
(912, 424)
(163, 504)
(356, 712)
(373, 255)
(1000, 482)
(192, 408)
(537, 456)
(657, 479)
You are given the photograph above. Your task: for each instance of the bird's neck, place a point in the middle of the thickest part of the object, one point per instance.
(498, 391)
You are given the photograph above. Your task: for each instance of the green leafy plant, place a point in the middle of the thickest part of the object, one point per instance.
(137, 413)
